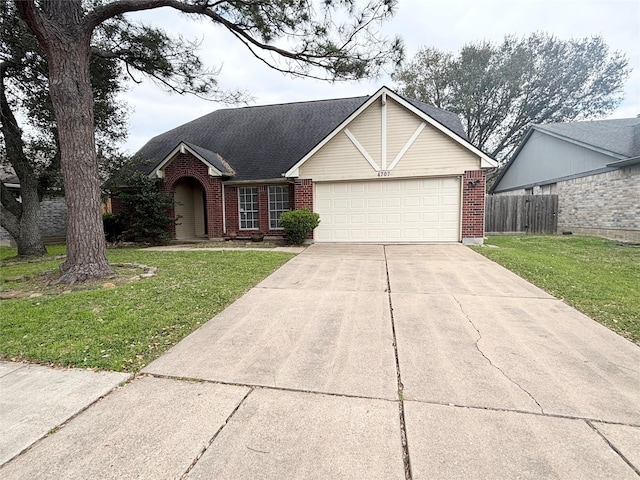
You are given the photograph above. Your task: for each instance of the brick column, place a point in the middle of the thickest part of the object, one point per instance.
(303, 194)
(473, 192)
(231, 208)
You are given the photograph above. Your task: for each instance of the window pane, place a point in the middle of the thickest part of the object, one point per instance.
(278, 203)
(248, 208)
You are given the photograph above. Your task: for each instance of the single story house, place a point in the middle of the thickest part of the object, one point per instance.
(53, 213)
(379, 168)
(593, 167)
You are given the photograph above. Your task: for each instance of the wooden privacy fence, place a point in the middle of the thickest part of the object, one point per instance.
(521, 214)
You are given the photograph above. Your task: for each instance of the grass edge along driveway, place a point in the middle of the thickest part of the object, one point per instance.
(126, 327)
(599, 277)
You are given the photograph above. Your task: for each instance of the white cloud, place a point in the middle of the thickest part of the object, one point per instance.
(447, 25)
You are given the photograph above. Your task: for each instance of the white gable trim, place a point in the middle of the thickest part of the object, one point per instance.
(183, 148)
(407, 145)
(361, 149)
(383, 130)
(384, 92)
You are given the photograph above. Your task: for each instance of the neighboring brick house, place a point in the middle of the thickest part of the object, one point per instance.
(378, 168)
(53, 215)
(593, 167)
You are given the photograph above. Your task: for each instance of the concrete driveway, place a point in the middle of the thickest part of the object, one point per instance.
(373, 362)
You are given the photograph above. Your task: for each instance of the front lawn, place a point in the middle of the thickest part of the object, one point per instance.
(124, 327)
(601, 278)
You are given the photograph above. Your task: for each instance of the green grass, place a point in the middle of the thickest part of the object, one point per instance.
(126, 327)
(601, 278)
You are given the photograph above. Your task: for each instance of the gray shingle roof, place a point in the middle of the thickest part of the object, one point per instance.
(263, 142)
(620, 136)
(213, 159)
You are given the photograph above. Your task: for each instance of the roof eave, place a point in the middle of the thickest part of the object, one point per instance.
(625, 163)
(182, 147)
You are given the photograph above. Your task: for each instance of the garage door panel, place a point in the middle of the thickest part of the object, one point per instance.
(452, 200)
(375, 218)
(324, 204)
(340, 203)
(389, 210)
(412, 201)
(392, 202)
(393, 234)
(413, 217)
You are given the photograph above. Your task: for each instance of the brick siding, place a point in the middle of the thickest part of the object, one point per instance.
(186, 165)
(53, 221)
(606, 205)
(473, 192)
(303, 194)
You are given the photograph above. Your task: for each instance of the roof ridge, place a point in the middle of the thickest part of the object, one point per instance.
(601, 120)
(290, 103)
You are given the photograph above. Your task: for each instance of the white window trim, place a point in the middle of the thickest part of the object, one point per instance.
(286, 187)
(257, 209)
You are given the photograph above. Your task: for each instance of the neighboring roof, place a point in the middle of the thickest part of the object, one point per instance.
(9, 178)
(618, 138)
(263, 142)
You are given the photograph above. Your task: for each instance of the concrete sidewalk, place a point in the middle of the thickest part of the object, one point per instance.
(366, 361)
(36, 399)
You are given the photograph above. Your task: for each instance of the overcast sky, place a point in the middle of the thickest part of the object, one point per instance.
(444, 24)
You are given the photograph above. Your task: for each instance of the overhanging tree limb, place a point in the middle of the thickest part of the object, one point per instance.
(64, 29)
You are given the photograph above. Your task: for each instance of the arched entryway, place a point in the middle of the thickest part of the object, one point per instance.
(190, 209)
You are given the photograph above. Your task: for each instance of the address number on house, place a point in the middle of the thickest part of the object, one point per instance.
(384, 173)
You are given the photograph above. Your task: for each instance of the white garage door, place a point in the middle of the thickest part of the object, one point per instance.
(389, 210)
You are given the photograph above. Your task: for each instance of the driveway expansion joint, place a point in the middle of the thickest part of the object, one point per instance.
(403, 427)
(266, 387)
(215, 435)
(523, 412)
(489, 360)
(613, 447)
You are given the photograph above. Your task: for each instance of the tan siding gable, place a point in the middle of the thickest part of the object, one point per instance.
(339, 159)
(432, 153)
(367, 128)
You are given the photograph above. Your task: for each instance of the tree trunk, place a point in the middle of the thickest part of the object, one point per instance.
(72, 98)
(25, 228)
(20, 219)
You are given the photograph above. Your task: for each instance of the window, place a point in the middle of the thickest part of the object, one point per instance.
(278, 203)
(248, 208)
(548, 189)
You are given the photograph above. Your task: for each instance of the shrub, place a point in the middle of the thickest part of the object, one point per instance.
(113, 227)
(145, 210)
(298, 224)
